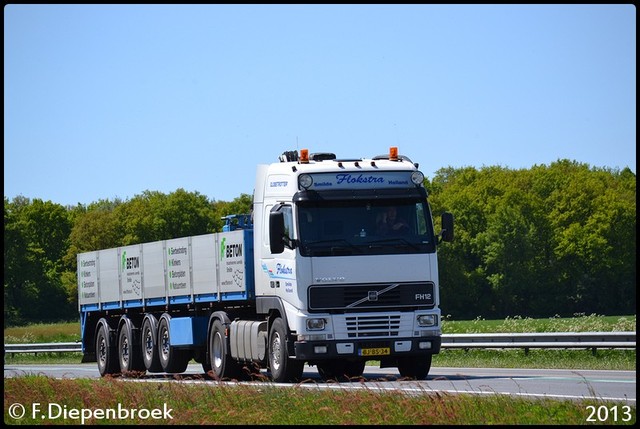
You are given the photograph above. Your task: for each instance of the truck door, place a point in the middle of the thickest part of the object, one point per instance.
(278, 262)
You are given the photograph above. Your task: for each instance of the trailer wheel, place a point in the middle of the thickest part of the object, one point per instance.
(149, 346)
(414, 366)
(222, 364)
(129, 354)
(173, 360)
(107, 361)
(283, 369)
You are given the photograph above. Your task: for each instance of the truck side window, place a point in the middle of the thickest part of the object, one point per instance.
(421, 218)
(288, 221)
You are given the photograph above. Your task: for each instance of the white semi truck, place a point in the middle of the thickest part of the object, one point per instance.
(321, 272)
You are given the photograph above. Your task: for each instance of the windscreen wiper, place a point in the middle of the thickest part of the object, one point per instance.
(336, 245)
(400, 242)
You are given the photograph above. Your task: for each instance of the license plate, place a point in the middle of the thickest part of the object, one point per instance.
(375, 351)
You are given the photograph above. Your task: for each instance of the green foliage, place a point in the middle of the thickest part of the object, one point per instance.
(36, 239)
(539, 242)
(241, 205)
(154, 216)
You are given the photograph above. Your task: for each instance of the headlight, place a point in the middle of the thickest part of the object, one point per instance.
(315, 324)
(427, 320)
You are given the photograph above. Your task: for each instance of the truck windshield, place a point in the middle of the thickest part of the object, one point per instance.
(365, 227)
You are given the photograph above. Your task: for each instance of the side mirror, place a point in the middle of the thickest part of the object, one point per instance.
(447, 227)
(276, 232)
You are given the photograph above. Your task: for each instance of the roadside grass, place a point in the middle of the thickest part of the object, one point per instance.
(518, 324)
(91, 401)
(63, 332)
(603, 359)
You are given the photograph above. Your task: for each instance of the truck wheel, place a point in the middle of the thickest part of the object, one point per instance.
(173, 360)
(222, 364)
(283, 369)
(355, 368)
(206, 368)
(107, 361)
(149, 347)
(332, 369)
(414, 366)
(201, 356)
(129, 354)
(341, 369)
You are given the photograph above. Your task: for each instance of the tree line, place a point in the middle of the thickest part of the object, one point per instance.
(541, 242)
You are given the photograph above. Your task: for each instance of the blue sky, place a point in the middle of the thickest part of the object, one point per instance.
(107, 101)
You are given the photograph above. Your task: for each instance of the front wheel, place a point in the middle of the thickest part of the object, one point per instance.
(283, 368)
(220, 360)
(332, 370)
(355, 368)
(415, 366)
(339, 369)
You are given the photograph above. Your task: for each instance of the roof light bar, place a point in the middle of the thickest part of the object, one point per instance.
(393, 153)
(304, 156)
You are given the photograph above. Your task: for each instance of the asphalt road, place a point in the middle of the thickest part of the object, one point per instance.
(618, 386)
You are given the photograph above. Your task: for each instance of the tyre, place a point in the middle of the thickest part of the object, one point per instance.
(414, 366)
(283, 369)
(206, 369)
(341, 369)
(129, 355)
(355, 368)
(201, 356)
(172, 360)
(332, 370)
(105, 353)
(220, 360)
(149, 346)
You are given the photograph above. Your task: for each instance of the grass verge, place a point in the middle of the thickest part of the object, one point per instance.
(103, 401)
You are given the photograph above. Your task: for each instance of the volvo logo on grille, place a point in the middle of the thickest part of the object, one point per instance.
(372, 295)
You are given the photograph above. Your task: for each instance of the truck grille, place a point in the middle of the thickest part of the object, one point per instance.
(372, 326)
(371, 296)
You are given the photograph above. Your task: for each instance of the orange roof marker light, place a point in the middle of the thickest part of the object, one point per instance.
(304, 156)
(393, 153)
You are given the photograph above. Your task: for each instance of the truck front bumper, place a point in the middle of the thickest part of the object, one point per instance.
(370, 349)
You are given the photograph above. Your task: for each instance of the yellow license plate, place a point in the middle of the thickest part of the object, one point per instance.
(375, 351)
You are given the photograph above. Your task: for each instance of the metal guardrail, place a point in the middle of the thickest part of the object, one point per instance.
(526, 341)
(43, 348)
(546, 340)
